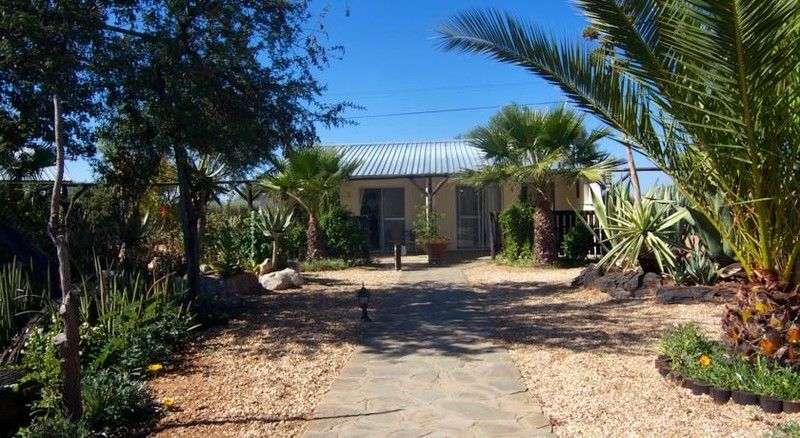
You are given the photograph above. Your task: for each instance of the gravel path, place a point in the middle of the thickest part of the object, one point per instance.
(588, 359)
(263, 373)
(429, 366)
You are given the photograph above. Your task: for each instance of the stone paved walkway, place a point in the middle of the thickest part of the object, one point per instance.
(428, 367)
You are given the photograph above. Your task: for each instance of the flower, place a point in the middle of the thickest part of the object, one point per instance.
(705, 360)
(154, 368)
(168, 403)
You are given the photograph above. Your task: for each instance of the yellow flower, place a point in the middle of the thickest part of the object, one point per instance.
(168, 403)
(154, 368)
(705, 360)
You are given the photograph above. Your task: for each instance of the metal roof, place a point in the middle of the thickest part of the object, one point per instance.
(414, 158)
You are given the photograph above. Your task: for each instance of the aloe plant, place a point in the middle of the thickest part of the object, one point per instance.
(274, 223)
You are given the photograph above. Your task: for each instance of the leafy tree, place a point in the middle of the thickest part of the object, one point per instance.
(533, 149)
(710, 91)
(230, 78)
(312, 178)
(46, 55)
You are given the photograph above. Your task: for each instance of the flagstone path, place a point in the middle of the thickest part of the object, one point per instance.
(428, 366)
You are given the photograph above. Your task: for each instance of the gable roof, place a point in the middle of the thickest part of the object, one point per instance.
(415, 158)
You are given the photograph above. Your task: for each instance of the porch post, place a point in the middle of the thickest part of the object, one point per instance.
(428, 199)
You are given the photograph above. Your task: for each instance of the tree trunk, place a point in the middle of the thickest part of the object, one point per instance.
(59, 233)
(545, 247)
(188, 221)
(314, 246)
(637, 191)
(275, 240)
(201, 216)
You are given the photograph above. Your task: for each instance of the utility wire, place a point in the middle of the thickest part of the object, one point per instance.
(446, 110)
(426, 89)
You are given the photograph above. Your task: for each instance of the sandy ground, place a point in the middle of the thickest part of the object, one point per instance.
(264, 372)
(589, 359)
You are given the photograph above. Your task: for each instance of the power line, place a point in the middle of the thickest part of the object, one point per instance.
(446, 110)
(425, 89)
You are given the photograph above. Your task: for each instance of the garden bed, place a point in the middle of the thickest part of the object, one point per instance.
(588, 359)
(263, 373)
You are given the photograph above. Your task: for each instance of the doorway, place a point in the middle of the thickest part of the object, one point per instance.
(384, 213)
(473, 205)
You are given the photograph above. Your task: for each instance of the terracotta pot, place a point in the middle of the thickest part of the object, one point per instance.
(699, 388)
(435, 250)
(744, 398)
(791, 406)
(771, 404)
(719, 395)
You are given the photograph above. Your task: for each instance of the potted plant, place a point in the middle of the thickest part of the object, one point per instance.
(426, 232)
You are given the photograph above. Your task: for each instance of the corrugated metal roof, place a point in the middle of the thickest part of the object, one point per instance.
(414, 158)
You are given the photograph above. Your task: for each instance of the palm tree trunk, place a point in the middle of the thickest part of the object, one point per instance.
(314, 246)
(545, 247)
(59, 233)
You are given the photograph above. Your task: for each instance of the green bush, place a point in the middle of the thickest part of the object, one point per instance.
(233, 243)
(516, 223)
(112, 401)
(577, 243)
(55, 424)
(323, 265)
(344, 237)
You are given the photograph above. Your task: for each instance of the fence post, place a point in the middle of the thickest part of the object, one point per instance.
(492, 231)
(398, 262)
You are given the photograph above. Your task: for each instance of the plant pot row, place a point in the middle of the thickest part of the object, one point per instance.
(772, 405)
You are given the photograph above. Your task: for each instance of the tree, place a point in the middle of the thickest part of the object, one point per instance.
(534, 149)
(229, 78)
(710, 91)
(312, 178)
(46, 55)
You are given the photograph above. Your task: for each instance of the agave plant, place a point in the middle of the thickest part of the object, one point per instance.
(638, 233)
(274, 223)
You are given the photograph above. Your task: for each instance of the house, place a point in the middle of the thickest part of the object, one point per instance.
(395, 180)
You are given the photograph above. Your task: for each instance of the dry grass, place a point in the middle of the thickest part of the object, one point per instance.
(264, 372)
(589, 359)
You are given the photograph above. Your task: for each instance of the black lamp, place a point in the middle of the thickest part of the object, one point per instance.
(363, 302)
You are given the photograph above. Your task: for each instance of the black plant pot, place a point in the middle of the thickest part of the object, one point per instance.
(771, 404)
(686, 383)
(663, 366)
(791, 406)
(719, 395)
(744, 398)
(699, 388)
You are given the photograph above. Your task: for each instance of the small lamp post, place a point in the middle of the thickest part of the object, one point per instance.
(363, 302)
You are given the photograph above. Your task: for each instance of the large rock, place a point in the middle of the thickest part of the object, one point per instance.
(587, 276)
(651, 282)
(243, 283)
(688, 294)
(281, 280)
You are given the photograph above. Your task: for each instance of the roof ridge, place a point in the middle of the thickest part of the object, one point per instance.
(399, 143)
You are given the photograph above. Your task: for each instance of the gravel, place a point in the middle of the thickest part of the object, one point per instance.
(264, 372)
(589, 359)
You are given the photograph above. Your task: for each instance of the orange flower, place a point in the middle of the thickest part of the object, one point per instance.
(168, 403)
(705, 360)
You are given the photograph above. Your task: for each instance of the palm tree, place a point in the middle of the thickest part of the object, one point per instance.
(533, 149)
(312, 178)
(710, 91)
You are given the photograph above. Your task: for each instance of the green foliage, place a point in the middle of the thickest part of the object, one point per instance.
(639, 233)
(232, 243)
(344, 236)
(41, 364)
(516, 223)
(426, 225)
(55, 424)
(577, 243)
(318, 265)
(26, 209)
(789, 429)
(20, 296)
(695, 267)
(112, 401)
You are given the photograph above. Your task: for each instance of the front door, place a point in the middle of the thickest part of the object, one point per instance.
(473, 205)
(384, 212)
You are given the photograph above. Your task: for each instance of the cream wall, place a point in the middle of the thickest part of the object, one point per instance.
(445, 199)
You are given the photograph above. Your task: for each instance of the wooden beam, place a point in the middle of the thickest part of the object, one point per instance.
(421, 189)
(439, 185)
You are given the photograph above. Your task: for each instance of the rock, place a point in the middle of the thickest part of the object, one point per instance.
(688, 294)
(587, 276)
(650, 284)
(632, 280)
(281, 280)
(264, 267)
(243, 283)
(619, 293)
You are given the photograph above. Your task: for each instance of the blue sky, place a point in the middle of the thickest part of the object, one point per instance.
(391, 64)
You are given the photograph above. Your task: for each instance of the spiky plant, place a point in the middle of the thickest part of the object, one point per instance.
(274, 223)
(710, 91)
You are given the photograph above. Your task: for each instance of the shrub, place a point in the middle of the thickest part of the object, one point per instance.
(55, 424)
(695, 268)
(577, 243)
(323, 265)
(112, 401)
(345, 239)
(516, 222)
(233, 242)
(20, 296)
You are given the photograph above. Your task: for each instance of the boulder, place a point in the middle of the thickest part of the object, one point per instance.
(281, 280)
(687, 294)
(243, 283)
(587, 276)
(651, 282)
(264, 267)
(632, 280)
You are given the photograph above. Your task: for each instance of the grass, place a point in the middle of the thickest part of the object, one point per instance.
(323, 265)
